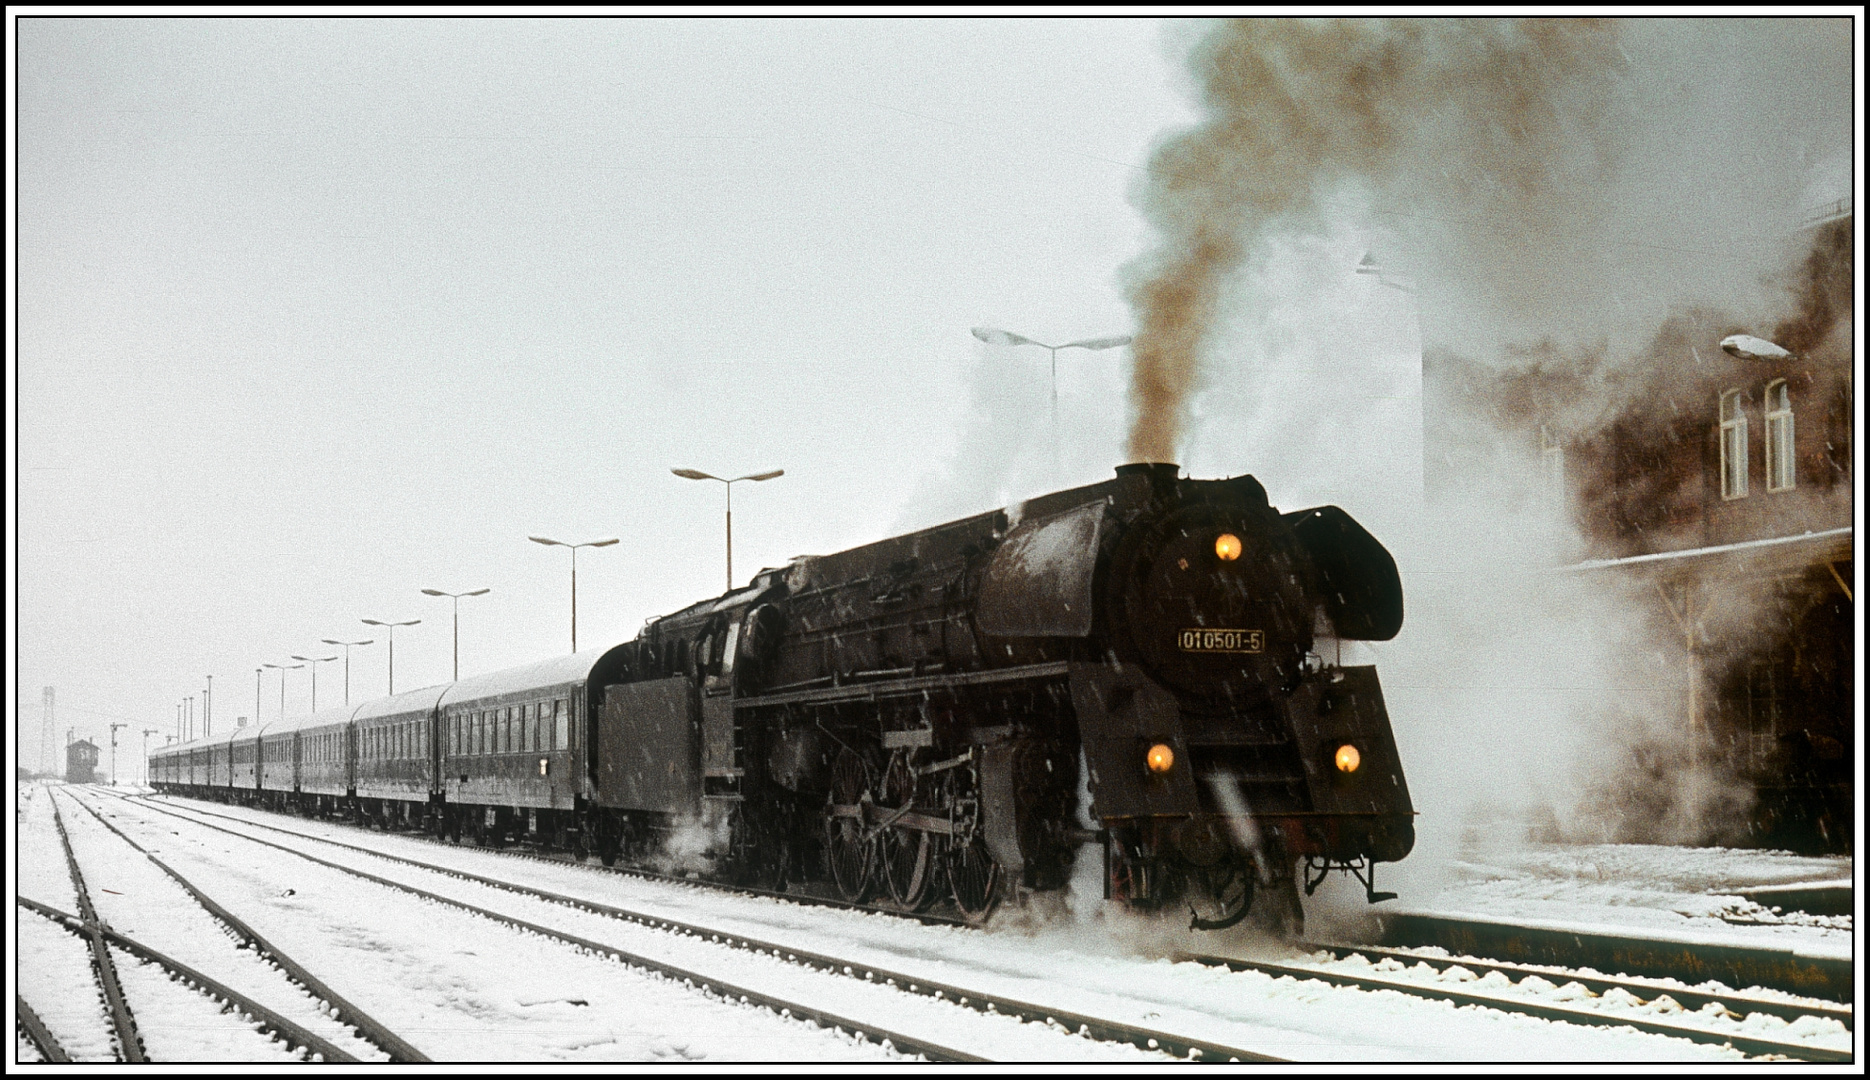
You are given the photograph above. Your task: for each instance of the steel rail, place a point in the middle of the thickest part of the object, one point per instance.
(1097, 1027)
(38, 1034)
(807, 899)
(122, 1020)
(1644, 989)
(902, 1043)
(1564, 1014)
(399, 1050)
(287, 1031)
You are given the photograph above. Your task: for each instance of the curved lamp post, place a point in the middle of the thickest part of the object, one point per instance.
(574, 574)
(697, 474)
(314, 661)
(1001, 337)
(347, 662)
(392, 633)
(283, 668)
(457, 599)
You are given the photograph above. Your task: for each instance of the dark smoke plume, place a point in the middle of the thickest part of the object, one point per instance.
(1491, 121)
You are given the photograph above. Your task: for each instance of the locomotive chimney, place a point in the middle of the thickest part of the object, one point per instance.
(1162, 475)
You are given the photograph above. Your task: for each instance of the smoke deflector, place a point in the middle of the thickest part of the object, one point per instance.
(1039, 581)
(1357, 576)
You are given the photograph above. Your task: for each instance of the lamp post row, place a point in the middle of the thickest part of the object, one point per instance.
(185, 727)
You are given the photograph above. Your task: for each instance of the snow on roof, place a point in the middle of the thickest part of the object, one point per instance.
(539, 675)
(332, 717)
(1702, 552)
(248, 732)
(199, 742)
(409, 701)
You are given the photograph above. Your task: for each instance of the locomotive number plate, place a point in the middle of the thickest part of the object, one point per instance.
(1222, 641)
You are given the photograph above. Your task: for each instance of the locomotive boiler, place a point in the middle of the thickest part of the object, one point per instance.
(1149, 665)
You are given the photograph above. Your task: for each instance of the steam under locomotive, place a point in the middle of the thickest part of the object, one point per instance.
(1148, 664)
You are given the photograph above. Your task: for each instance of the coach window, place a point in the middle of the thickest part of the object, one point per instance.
(1780, 470)
(529, 727)
(562, 721)
(1733, 445)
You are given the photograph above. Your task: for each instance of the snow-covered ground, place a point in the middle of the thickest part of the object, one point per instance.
(1679, 894)
(470, 989)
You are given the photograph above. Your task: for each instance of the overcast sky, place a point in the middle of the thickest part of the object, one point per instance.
(315, 314)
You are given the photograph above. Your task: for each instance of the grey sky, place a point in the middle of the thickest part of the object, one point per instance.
(316, 314)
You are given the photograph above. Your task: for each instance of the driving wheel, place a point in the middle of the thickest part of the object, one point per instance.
(849, 849)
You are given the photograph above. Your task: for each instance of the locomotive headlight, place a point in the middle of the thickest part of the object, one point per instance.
(1161, 759)
(1348, 758)
(1227, 546)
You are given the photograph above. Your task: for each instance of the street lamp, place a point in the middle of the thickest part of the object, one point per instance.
(1000, 337)
(456, 596)
(314, 661)
(574, 575)
(283, 668)
(391, 627)
(696, 474)
(347, 663)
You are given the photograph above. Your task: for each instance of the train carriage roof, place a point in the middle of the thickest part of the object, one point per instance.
(201, 743)
(537, 677)
(250, 732)
(407, 703)
(335, 716)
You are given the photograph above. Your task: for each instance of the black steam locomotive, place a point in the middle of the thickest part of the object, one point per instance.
(922, 718)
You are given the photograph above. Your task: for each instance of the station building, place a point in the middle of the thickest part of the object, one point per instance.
(1717, 483)
(81, 762)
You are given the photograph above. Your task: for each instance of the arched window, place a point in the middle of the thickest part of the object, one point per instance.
(1781, 474)
(1733, 445)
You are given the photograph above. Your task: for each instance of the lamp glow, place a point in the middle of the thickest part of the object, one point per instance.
(1227, 546)
(1348, 758)
(1161, 759)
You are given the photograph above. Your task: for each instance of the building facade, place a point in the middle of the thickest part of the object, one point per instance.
(81, 762)
(1713, 475)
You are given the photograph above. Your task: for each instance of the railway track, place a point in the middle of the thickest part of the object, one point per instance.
(1635, 992)
(394, 1046)
(882, 907)
(1628, 991)
(972, 999)
(130, 1041)
(36, 1033)
(123, 1024)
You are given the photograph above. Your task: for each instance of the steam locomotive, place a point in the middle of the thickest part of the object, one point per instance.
(1148, 665)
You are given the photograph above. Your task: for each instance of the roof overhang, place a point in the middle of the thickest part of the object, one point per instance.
(1775, 553)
